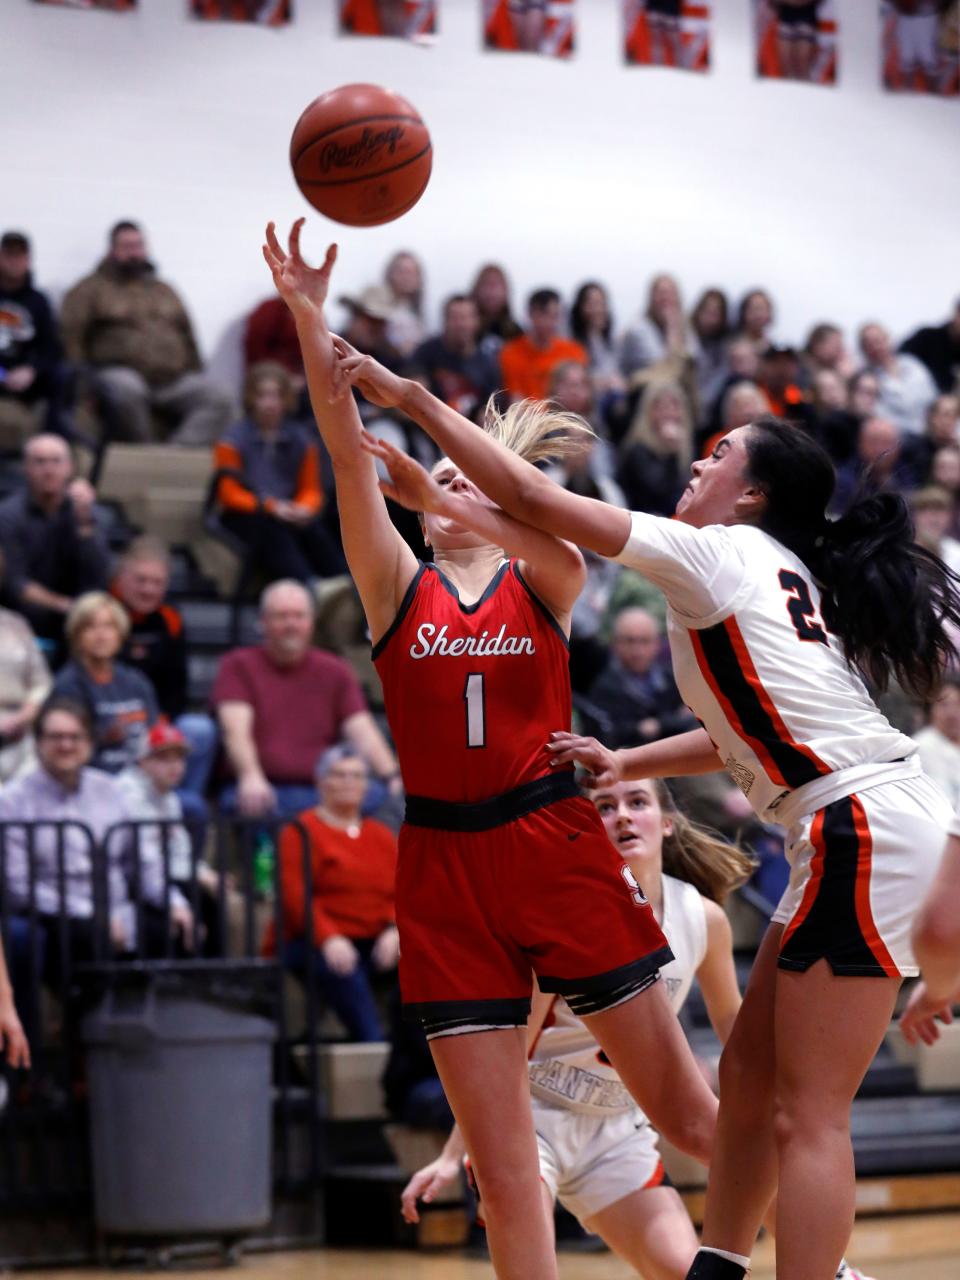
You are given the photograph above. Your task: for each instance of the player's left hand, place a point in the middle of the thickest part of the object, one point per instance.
(918, 1022)
(386, 949)
(410, 484)
(303, 288)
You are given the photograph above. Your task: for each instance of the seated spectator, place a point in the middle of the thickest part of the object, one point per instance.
(932, 517)
(403, 278)
(779, 380)
(709, 332)
(30, 376)
(121, 700)
(526, 362)
(571, 388)
(863, 395)
(754, 319)
(49, 535)
(273, 498)
(282, 703)
(150, 791)
(877, 465)
(24, 686)
(270, 335)
(906, 387)
(825, 350)
(743, 365)
(938, 743)
(636, 699)
(938, 348)
(657, 451)
(452, 364)
(591, 324)
(491, 292)
(156, 645)
(660, 334)
(96, 871)
(411, 1087)
(826, 416)
(13, 1042)
(742, 402)
(945, 474)
(133, 328)
(368, 316)
(353, 867)
(942, 427)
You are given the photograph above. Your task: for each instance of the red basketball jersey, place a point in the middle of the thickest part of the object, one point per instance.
(472, 692)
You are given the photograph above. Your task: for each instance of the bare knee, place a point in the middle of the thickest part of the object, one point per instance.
(746, 1078)
(803, 1117)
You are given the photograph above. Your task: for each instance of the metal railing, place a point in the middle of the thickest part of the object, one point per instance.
(81, 914)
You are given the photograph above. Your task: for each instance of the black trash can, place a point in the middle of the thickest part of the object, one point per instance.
(180, 1111)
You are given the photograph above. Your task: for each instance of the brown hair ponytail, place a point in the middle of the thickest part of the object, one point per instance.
(699, 856)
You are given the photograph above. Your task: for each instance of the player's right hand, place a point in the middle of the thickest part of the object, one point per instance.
(426, 1185)
(303, 288)
(598, 760)
(918, 1022)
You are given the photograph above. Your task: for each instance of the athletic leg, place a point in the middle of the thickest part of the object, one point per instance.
(828, 1029)
(651, 1230)
(645, 1042)
(743, 1171)
(484, 1076)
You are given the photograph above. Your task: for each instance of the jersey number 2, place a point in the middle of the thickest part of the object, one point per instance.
(802, 611)
(474, 697)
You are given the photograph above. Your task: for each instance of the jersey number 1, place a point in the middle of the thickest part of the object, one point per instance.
(474, 697)
(802, 611)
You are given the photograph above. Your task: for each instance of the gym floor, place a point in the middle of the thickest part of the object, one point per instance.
(909, 1247)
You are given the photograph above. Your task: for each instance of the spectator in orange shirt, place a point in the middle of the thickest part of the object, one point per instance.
(271, 491)
(526, 362)
(353, 863)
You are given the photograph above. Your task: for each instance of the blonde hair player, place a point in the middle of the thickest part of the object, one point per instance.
(773, 611)
(503, 867)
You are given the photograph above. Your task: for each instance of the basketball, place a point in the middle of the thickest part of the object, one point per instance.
(361, 155)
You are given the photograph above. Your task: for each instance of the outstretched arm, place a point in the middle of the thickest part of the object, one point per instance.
(380, 561)
(517, 487)
(553, 568)
(682, 755)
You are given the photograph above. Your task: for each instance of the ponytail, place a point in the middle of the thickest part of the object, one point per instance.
(885, 598)
(700, 857)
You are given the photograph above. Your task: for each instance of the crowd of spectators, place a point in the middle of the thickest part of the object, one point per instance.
(96, 720)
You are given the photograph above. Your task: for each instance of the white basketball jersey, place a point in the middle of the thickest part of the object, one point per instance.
(567, 1067)
(756, 665)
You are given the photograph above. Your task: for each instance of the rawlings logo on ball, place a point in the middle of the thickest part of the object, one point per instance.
(360, 153)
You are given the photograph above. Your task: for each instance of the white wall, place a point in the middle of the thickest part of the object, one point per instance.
(845, 202)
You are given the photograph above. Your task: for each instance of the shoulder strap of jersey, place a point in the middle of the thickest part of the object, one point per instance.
(405, 603)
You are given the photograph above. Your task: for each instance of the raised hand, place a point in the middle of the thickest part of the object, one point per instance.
(598, 760)
(409, 484)
(303, 288)
(372, 380)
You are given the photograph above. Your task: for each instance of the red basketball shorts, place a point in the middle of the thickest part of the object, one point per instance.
(545, 893)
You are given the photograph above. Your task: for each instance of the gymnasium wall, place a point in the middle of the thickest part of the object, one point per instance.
(844, 202)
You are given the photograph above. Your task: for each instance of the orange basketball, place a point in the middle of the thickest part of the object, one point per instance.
(361, 155)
